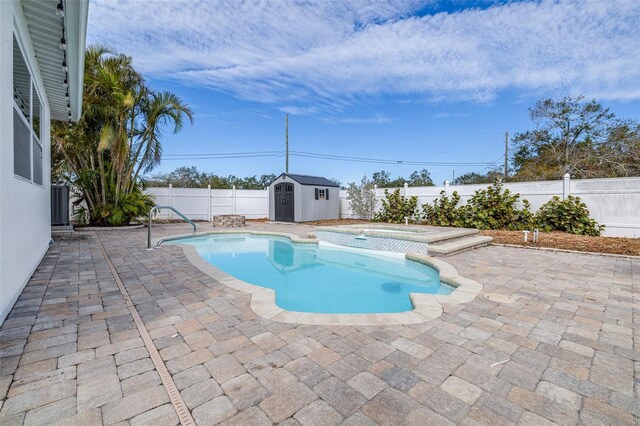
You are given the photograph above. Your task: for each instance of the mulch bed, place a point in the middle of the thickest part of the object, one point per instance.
(556, 239)
(562, 240)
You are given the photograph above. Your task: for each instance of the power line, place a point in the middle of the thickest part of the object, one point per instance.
(223, 154)
(321, 156)
(382, 160)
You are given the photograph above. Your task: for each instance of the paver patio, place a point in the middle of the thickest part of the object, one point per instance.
(70, 351)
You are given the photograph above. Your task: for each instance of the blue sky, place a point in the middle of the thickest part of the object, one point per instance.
(410, 81)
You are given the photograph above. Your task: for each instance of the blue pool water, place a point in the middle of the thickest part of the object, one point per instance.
(319, 279)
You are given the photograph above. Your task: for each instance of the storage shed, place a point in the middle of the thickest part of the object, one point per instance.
(302, 198)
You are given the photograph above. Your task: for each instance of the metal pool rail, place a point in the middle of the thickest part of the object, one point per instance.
(158, 208)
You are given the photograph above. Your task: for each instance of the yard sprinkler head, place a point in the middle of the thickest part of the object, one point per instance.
(525, 235)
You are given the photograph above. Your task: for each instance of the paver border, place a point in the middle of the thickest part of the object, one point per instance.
(263, 300)
(552, 249)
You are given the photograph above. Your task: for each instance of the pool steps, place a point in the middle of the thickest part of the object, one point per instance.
(451, 247)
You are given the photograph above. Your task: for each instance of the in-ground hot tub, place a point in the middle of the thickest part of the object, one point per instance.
(393, 238)
(389, 237)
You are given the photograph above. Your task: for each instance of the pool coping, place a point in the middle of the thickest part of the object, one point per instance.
(263, 300)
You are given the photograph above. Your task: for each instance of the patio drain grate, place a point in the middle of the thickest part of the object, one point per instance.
(174, 395)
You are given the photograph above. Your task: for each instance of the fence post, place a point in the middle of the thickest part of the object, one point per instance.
(233, 199)
(566, 186)
(404, 191)
(170, 201)
(375, 197)
(209, 218)
(446, 188)
(267, 202)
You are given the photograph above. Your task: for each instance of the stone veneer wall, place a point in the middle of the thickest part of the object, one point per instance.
(228, 221)
(373, 242)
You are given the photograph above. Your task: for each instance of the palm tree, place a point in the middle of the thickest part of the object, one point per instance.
(117, 138)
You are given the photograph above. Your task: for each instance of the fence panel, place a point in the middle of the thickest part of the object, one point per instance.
(202, 203)
(612, 202)
(252, 203)
(221, 201)
(192, 202)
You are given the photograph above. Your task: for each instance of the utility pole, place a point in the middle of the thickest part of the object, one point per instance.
(453, 176)
(506, 155)
(286, 164)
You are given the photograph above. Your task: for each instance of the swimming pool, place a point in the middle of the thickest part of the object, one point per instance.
(319, 278)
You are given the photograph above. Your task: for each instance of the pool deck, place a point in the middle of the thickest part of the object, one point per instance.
(563, 347)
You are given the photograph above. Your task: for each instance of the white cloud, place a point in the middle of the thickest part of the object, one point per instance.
(451, 115)
(324, 55)
(375, 119)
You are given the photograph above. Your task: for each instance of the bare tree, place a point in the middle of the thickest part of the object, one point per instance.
(573, 136)
(362, 198)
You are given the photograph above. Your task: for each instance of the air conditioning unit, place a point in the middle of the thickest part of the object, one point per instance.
(59, 205)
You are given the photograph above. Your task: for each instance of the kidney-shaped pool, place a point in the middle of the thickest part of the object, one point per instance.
(319, 278)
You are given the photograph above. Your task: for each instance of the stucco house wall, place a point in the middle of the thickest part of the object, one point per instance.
(25, 210)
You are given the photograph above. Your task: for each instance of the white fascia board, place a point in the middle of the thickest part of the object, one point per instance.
(76, 14)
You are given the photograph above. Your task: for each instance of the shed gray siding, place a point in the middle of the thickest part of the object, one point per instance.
(306, 207)
(313, 209)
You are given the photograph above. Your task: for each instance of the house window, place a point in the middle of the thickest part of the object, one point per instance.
(27, 126)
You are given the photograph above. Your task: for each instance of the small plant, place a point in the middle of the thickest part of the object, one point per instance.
(444, 211)
(362, 198)
(396, 207)
(495, 208)
(570, 215)
(134, 206)
(80, 215)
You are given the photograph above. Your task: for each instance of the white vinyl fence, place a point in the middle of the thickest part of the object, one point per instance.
(203, 203)
(613, 202)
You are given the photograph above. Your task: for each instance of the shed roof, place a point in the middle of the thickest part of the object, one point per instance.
(310, 180)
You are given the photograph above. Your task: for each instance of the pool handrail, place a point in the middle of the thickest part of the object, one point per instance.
(158, 208)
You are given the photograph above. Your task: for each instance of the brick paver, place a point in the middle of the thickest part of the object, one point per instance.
(566, 351)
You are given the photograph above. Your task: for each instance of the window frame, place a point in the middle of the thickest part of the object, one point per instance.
(33, 136)
(322, 194)
(36, 136)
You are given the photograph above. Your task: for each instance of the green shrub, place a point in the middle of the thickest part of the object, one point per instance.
(444, 211)
(570, 215)
(396, 207)
(495, 208)
(134, 206)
